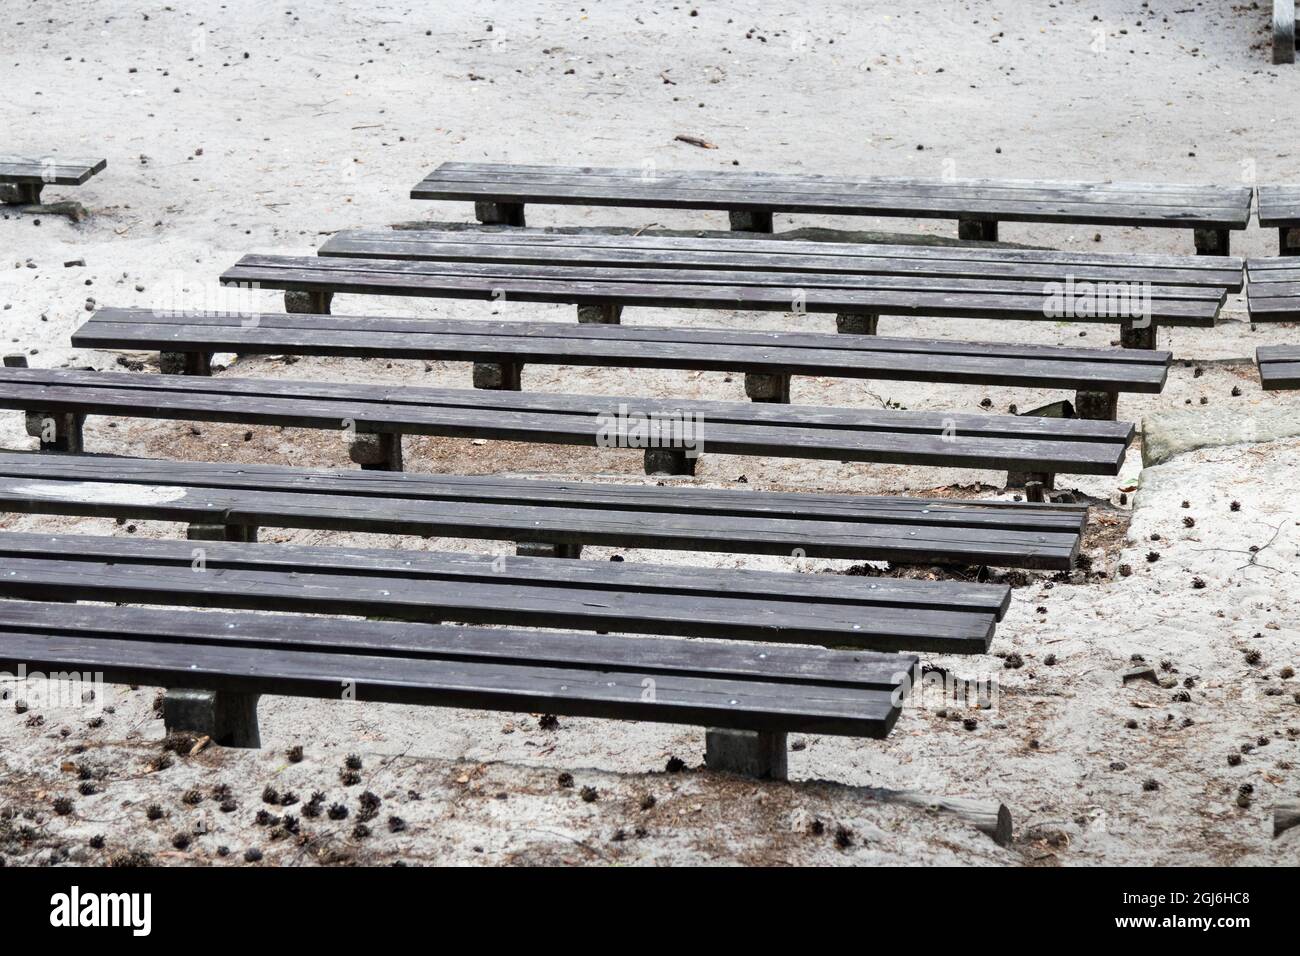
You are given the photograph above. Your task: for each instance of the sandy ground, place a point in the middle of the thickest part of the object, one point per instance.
(239, 127)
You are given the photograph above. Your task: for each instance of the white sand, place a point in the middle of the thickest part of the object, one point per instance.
(335, 114)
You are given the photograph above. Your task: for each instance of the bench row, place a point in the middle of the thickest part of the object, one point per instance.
(857, 282)
(671, 433)
(186, 342)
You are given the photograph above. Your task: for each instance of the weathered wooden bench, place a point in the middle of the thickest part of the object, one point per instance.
(216, 665)
(1273, 289)
(500, 191)
(1279, 366)
(1279, 207)
(431, 587)
(21, 179)
(601, 292)
(186, 342)
(231, 502)
(672, 433)
(1283, 31)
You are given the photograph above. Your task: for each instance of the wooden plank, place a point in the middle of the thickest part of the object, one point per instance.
(887, 295)
(1001, 442)
(739, 660)
(768, 256)
(1132, 204)
(651, 496)
(403, 585)
(539, 572)
(582, 332)
(1283, 31)
(161, 659)
(50, 171)
(884, 537)
(531, 343)
(1279, 367)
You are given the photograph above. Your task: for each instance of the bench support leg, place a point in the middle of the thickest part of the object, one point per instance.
(669, 461)
(58, 431)
(377, 452)
(1288, 242)
(1035, 483)
(749, 753)
(750, 220)
(764, 387)
(857, 323)
(977, 229)
(227, 717)
(540, 549)
(1097, 406)
(308, 303)
(1211, 242)
(498, 376)
(185, 363)
(499, 213)
(608, 313)
(21, 194)
(1134, 336)
(199, 531)
(1283, 31)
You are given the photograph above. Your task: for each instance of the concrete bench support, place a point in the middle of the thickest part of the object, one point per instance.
(857, 323)
(498, 376)
(58, 431)
(21, 194)
(228, 718)
(749, 753)
(1134, 336)
(669, 461)
(1288, 241)
(185, 363)
(1283, 31)
(1211, 242)
(377, 452)
(540, 549)
(750, 220)
(1098, 406)
(199, 531)
(981, 230)
(308, 303)
(762, 387)
(499, 213)
(605, 313)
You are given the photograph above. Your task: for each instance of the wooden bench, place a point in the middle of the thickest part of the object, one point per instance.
(672, 433)
(186, 342)
(215, 666)
(546, 517)
(1279, 366)
(500, 191)
(858, 300)
(1279, 207)
(1273, 289)
(1283, 31)
(21, 180)
(833, 610)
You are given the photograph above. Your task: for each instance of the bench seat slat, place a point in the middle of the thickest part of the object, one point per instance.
(1116, 204)
(14, 169)
(765, 255)
(345, 336)
(1189, 305)
(491, 329)
(1279, 367)
(341, 581)
(770, 663)
(162, 653)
